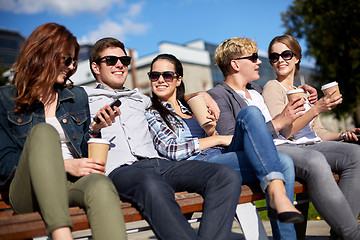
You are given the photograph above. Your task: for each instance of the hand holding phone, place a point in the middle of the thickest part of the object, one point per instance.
(115, 103)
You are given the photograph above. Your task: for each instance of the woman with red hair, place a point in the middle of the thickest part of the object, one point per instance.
(44, 128)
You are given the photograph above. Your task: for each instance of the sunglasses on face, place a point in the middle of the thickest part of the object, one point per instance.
(69, 60)
(253, 57)
(168, 76)
(286, 55)
(112, 60)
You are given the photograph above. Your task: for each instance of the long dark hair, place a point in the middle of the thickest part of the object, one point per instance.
(35, 70)
(180, 90)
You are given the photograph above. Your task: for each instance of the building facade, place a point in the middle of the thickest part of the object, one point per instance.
(10, 44)
(200, 70)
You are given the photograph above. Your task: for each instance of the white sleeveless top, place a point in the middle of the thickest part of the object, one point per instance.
(66, 146)
(304, 136)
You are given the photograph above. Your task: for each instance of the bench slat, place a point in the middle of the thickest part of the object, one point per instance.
(30, 225)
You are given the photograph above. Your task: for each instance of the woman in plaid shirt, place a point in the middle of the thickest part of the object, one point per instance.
(178, 136)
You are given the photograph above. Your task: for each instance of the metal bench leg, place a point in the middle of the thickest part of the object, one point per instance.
(250, 222)
(302, 204)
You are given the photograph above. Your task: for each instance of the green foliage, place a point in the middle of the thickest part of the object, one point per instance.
(3, 80)
(262, 214)
(331, 29)
(312, 213)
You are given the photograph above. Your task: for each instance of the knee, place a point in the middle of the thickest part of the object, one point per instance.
(249, 110)
(153, 185)
(317, 164)
(250, 113)
(228, 177)
(314, 166)
(99, 192)
(43, 131)
(148, 185)
(99, 185)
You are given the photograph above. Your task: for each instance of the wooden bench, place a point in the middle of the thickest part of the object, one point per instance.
(25, 226)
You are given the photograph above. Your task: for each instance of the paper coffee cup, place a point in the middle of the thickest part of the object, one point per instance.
(291, 94)
(199, 109)
(327, 88)
(98, 148)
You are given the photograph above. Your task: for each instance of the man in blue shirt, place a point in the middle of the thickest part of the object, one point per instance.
(139, 174)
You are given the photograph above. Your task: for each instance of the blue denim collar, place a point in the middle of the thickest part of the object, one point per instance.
(65, 94)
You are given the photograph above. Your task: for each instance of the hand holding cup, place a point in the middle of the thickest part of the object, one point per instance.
(330, 87)
(199, 109)
(299, 92)
(98, 149)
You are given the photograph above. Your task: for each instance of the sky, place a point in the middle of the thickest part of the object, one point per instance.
(143, 24)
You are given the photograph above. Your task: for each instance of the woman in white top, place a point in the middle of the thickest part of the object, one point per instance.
(44, 129)
(315, 151)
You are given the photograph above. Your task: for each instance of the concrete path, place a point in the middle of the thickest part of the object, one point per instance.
(316, 230)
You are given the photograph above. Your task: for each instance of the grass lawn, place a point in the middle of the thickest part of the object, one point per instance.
(312, 215)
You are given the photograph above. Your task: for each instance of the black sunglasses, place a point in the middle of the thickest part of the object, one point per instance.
(253, 57)
(70, 60)
(112, 60)
(286, 55)
(168, 76)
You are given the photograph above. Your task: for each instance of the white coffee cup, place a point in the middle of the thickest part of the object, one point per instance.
(291, 94)
(199, 109)
(98, 148)
(327, 88)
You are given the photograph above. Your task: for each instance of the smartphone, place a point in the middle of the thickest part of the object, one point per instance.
(115, 103)
(356, 134)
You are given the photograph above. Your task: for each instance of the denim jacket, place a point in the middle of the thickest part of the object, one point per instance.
(72, 111)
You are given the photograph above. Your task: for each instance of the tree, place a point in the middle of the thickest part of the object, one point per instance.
(3, 80)
(331, 29)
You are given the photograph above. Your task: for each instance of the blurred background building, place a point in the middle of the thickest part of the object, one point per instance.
(10, 44)
(197, 57)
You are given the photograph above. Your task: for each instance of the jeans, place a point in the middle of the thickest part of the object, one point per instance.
(338, 204)
(150, 185)
(40, 184)
(253, 155)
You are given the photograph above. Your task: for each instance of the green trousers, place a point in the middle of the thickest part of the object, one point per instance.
(40, 184)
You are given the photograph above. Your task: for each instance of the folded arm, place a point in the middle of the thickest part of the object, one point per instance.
(166, 142)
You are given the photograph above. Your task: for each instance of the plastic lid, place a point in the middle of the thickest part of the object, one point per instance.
(98, 140)
(195, 97)
(298, 90)
(329, 85)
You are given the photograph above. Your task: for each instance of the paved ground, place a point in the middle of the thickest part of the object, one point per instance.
(316, 230)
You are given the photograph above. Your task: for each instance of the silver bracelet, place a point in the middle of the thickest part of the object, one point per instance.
(93, 132)
(343, 136)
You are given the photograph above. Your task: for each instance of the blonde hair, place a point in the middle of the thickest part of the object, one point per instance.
(233, 48)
